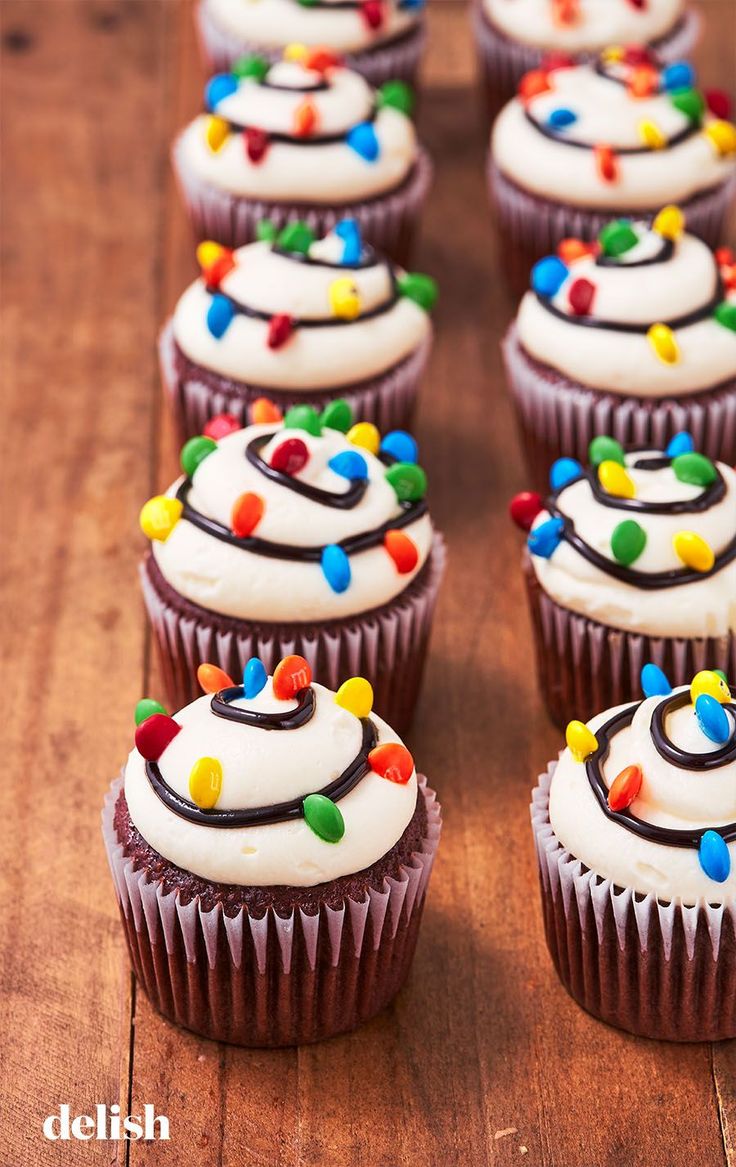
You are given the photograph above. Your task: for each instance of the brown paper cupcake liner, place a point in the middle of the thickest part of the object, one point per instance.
(658, 969)
(276, 979)
(398, 59)
(388, 221)
(558, 418)
(584, 667)
(196, 394)
(388, 645)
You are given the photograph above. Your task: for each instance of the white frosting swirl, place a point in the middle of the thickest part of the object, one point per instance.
(235, 582)
(314, 357)
(704, 607)
(606, 113)
(272, 24)
(599, 23)
(303, 170)
(625, 362)
(669, 797)
(261, 768)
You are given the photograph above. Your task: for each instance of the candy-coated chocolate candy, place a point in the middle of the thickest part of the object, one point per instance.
(364, 141)
(570, 250)
(408, 480)
(625, 787)
(154, 734)
(336, 567)
(349, 464)
(678, 75)
(725, 314)
(680, 443)
(553, 61)
(628, 541)
(255, 67)
(605, 449)
(256, 143)
(295, 51)
(212, 678)
(544, 540)
(720, 673)
(654, 681)
(581, 741)
(218, 269)
(714, 856)
(324, 817)
(320, 60)
(643, 81)
(580, 296)
(662, 339)
(254, 677)
(219, 87)
(219, 315)
(303, 417)
(562, 471)
(396, 95)
(392, 761)
(693, 550)
(532, 84)
(372, 13)
(402, 550)
(221, 425)
(159, 516)
(712, 683)
(548, 275)
(246, 514)
(344, 298)
(617, 237)
(606, 163)
(713, 719)
(337, 415)
(280, 330)
(695, 469)
(560, 119)
(296, 237)
(146, 707)
(718, 102)
(669, 223)
(266, 231)
(194, 452)
(306, 118)
(355, 695)
(290, 456)
(264, 412)
(349, 231)
(208, 252)
(291, 675)
(524, 508)
(689, 102)
(400, 445)
(616, 480)
(722, 136)
(365, 435)
(419, 288)
(216, 133)
(205, 782)
(651, 135)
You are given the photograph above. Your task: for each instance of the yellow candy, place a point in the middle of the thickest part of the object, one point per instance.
(216, 133)
(651, 135)
(344, 298)
(296, 52)
(613, 53)
(208, 252)
(709, 682)
(581, 742)
(205, 782)
(355, 695)
(159, 516)
(614, 480)
(669, 223)
(366, 435)
(722, 135)
(693, 551)
(662, 340)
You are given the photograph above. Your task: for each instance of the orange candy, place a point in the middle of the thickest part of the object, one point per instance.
(625, 788)
(643, 82)
(571, 249)
(212, 679)
(246, 514)
(393, 762)
(305, 119)
(321, 60)
(264, 412)
(532, 84)
(565, 12)
(215, 272)
(290, 676)
(402, 550)
(606, 163)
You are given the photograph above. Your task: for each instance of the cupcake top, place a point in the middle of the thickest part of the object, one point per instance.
(645, 794)
(305, 130)
(294, 312)
(621, 133)
(642, 540)
(307, 519)
(584, 26)
(273, 781)
(646, 311)
(347, 26)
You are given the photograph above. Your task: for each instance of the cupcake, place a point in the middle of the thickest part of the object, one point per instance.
(633, 336)
(629, 561)
(618, 137)
(514, 37)
(297, 320)
(382, 39)
(295, 536)
(635, 828)
(270, 846)
(303, 139)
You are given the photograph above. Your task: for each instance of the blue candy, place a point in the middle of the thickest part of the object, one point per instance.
(714, 856)
(400, 445)
(336, 567)
(713, 719)
(349, 464)
(349, 231)
(545, 539)
(681, 443)
(654, 682)
(219, 315)
(254, 677)
(362, 138)
(412, 5)
(548, 275)
(564, 470)
(559, 119)
(679, 75)
(219, 87)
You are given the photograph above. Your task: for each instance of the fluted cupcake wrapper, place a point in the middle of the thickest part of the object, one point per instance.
(388, 645)
(584, 667)
(388, 221)
(387, 400)
(396, 60)
(657, 969)
(559, 419)
(271, 980)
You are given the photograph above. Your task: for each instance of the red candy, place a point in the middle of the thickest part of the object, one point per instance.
(246, 514)
(402, 550)
(305, 119)
(256, 143)
(580, 296)
(290, 676)
(637, 55)
(372, 13)
(154, 734)
(393, 762)
(212, 679)
(554, 61)
(606, 164)
(718, 102)
(725, 257)
(571, 249)
(525, 507)
(565, 12)
(221, 425)
(280, 328)
(320, 60)
(532, 84)
(290, 457)
(625, 788)
(216, 272)
(264, 412)
(638, 4)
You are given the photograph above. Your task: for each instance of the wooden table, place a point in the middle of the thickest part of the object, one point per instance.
(483, 1058)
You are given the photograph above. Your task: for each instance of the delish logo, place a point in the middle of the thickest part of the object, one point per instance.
(106, 1124)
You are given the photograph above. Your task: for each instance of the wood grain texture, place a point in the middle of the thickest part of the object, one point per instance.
(483, 1059)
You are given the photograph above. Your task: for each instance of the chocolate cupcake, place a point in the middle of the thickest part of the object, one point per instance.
(297, 320)
(635, 828)
(296, 537)
(629, 561)
(382, 39)
(303, 139)
(617, 137)
(270, 846)
(633, 336)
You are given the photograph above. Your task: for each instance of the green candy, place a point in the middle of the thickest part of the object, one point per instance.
(396, 95)
(605, 449)
(194, 453)
(255, 67)
(694, 469)
(419, 288)
(337, 415)
(720, 673)
(297, 237)
(690, 102)
(628, 541)
(725, 314)
(146, 707)
(324, 817)
(617, 237)
(266, 231)
(408, 480)
(307, 3)
(303, 417)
